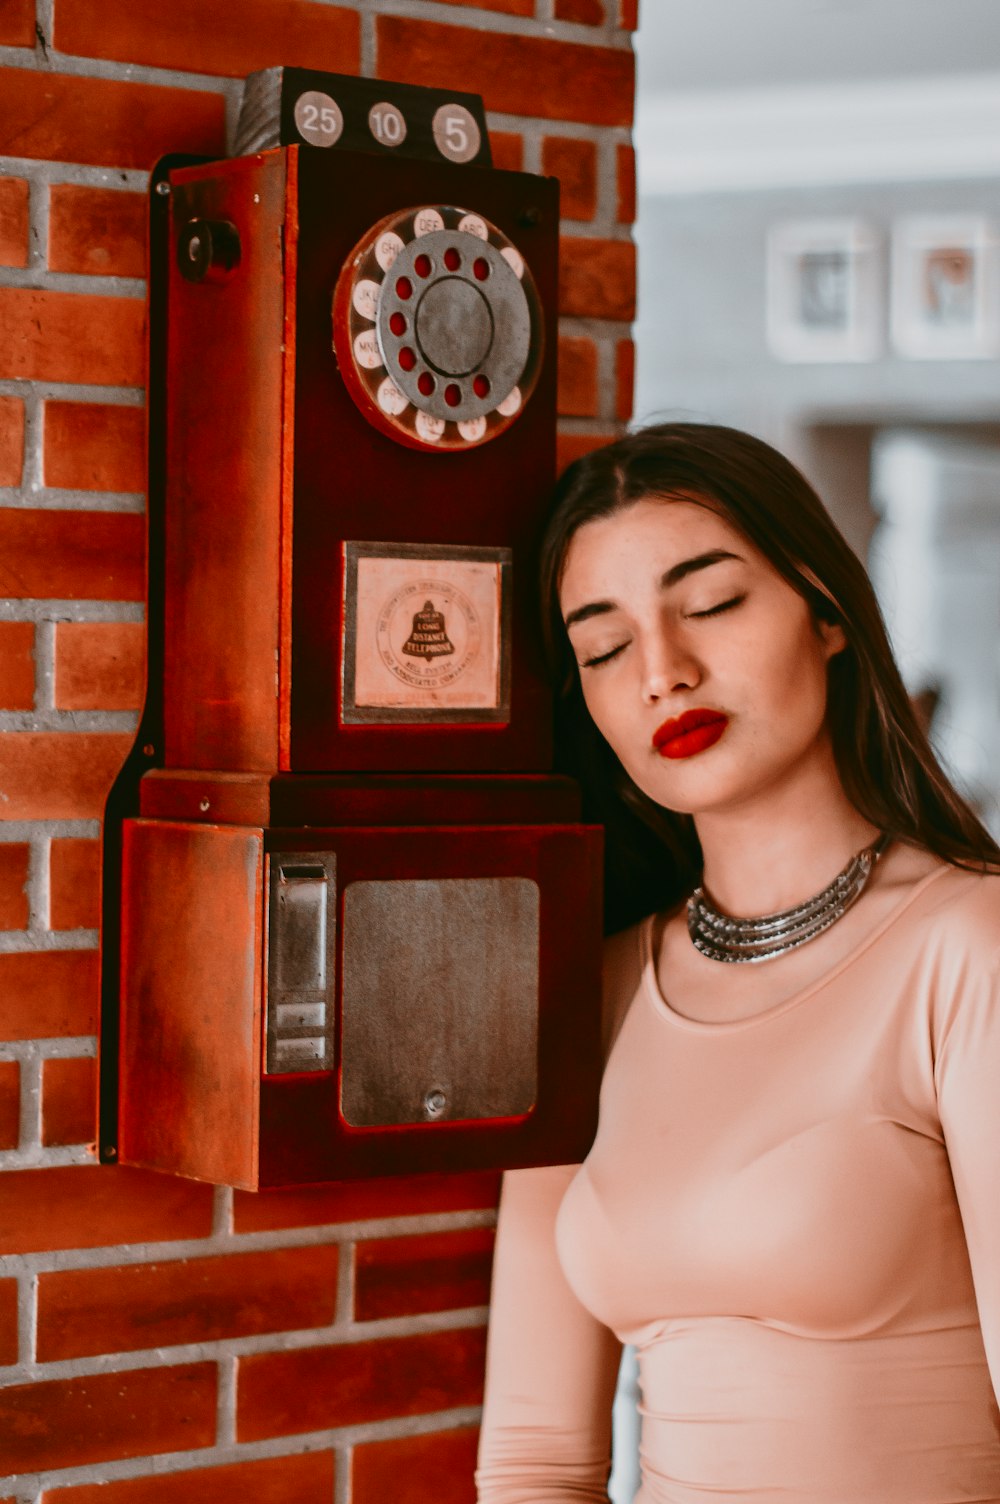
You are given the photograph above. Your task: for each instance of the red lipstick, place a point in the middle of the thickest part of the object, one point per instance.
(690, 733)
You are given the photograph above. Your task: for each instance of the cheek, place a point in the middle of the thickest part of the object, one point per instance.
(794, 677)
(616, 711)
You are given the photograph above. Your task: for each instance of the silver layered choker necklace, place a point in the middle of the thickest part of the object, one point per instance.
(722, 937)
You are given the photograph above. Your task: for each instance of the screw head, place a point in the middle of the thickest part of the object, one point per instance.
(435, 1102)
(163, 187)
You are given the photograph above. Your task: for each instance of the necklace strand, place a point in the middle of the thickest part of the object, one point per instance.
(723, 937)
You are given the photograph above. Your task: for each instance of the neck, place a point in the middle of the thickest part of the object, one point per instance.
(783, 846)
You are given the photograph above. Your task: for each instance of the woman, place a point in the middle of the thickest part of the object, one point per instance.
(792, 1206)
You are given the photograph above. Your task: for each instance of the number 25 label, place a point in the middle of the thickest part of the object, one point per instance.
(319, 118)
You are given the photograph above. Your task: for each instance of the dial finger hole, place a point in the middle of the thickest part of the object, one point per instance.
(407, 358)
(404, 288)
(422, 265)
(426, 384)
(481, 385)
(453, 394)
(397, 324)
(480, 268)
(452, 259)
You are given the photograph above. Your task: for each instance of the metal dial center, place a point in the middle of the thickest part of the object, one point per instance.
(454, 326)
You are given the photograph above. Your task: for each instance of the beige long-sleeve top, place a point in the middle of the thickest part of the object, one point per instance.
(796, 1220)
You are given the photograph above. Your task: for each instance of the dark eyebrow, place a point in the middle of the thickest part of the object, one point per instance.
(672, 577)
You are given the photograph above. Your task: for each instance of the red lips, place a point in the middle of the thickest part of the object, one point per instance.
(690, 733)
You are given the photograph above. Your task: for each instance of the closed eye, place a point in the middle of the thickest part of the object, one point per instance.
(736, 600)
(603, 657)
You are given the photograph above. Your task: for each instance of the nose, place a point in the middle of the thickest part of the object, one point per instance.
(668, 668)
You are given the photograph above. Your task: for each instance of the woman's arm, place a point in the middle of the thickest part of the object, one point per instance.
(551, 1367)
(967, 1070)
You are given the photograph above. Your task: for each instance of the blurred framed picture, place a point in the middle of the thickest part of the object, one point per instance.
(823, 290)
(945, 286)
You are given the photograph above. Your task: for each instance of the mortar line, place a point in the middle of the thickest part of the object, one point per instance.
(332, 1439)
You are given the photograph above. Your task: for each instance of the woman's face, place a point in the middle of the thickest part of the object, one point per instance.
(700, 665)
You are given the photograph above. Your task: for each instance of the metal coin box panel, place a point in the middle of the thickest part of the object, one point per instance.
(306, 1005)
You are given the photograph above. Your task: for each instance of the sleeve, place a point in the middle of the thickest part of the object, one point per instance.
(551, 1367)
(968, 1088)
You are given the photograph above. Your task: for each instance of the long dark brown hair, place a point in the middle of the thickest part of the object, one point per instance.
(886, 764)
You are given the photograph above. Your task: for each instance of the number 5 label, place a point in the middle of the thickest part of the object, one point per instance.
(456, 134)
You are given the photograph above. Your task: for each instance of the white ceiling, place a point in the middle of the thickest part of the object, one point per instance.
(727, 44)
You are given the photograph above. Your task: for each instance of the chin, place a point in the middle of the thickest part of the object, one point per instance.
(691, 790)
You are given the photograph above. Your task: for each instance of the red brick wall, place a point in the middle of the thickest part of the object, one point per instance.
(312, 1346)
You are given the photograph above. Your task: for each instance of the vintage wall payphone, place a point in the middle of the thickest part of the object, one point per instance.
(360, 923)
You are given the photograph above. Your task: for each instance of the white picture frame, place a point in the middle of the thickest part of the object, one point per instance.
(824, 291)
(945, 287)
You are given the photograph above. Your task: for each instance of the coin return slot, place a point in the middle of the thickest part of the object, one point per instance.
(301, 963)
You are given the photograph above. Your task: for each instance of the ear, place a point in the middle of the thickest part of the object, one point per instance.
(832, 636)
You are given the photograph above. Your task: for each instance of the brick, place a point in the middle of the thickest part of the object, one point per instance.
(596, 278)
(515, 74)
(624, 379)
(75, 884)
(586, 12)
(276, 1480)
(95, 446)
(49, 994)
(17, 665)
(10, 1104)
(69, 1101)
(17, 23)
(101, 122)
(357, 1201)
(571, 446)
(578, 391)
(625, 176)
(574, 163)
(68, 336)
(13, 222)
(201, 37)
(311, 1389)
(8, 1321)
(108, 1416)
(14, 858)
(628, 14)
(48, 554)
(97, 231)
(85, 1206)
(99, 665)
(436, 1272)
(414, 1469)
(82, 1312)
(508, 150)
(508, 7)
(11, 441)
(58, 775)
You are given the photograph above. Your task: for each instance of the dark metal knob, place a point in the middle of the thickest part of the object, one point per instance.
(208, 250)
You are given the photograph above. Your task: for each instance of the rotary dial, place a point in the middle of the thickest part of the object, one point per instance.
(437, 328)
